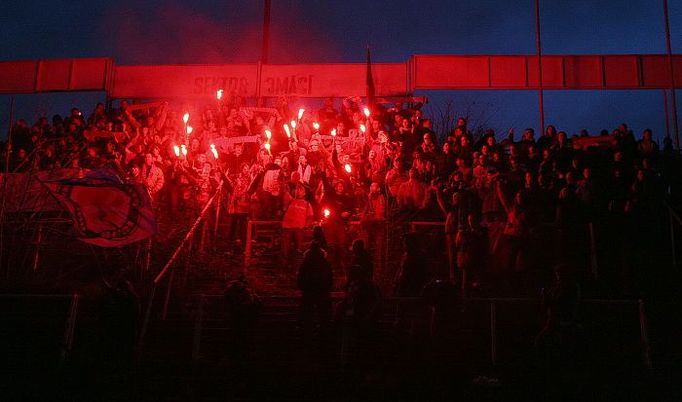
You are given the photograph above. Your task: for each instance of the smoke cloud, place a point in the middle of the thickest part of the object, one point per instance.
(175, 33)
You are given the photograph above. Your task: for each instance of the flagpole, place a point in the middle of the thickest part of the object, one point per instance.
(8, 152)
(266, 46)
(538, 45)
(266, 31)
(673, 97)
(8, 146)
(369, 84)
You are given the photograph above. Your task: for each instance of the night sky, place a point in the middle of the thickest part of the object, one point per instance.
(203, 31)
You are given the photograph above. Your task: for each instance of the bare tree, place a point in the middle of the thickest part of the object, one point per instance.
(445, 114)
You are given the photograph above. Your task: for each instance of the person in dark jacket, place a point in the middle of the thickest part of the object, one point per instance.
(358, 315)
(243, 307)
(361, 266)
(118, 319)
(413, 274)
(315, 283)
(319, 236)
(561, 302)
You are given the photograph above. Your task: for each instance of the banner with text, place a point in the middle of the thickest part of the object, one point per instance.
(184, 81)
(338, 80)
(304, 80)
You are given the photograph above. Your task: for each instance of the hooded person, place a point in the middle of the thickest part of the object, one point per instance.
(315, 282)
(243, 307)
(361, 267)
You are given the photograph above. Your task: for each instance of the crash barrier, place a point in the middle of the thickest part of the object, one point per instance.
(254, 227)
(519, 319)
(508, 322)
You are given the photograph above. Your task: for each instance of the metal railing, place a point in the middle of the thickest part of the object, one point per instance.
(398, 304)
(168, 268)
(253, 225)
(252, 229)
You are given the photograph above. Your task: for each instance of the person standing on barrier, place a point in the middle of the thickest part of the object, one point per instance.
(471, 245)
(118, 325)
(445, 301)
(361, 266)
(513, 253)
(452, 213)
(243, 307)
(318, 236)
(358, 314)
(298, 217)
(558, 342)
(413, 273)
(315, 283)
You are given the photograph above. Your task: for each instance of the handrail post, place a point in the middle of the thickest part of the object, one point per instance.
(147, 258)
(493, 333)
(398, 312)
(644, 336)
(387, 249)
(70, 327)
(432, 322)
(218, 205)
(164, 312)
(145, 321)
(202, 237)
(188, 262)
(198, 327)
(594, 267)
(247, 246)
(36, 255)
(672, 237)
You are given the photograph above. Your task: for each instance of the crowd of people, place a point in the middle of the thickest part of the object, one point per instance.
(508, 206)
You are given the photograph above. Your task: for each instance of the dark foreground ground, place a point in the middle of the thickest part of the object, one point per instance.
(408, 354)
(196, 354)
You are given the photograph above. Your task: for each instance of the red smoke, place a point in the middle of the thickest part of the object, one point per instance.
(175, 33)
